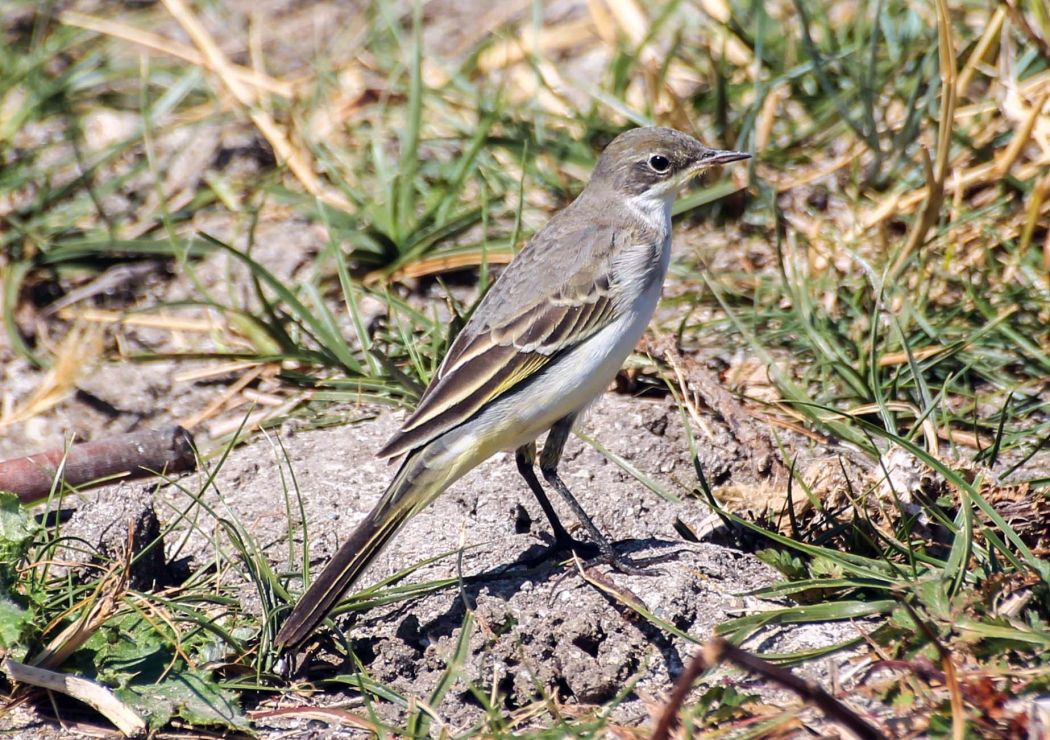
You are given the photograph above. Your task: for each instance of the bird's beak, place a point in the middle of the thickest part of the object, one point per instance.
(711, 158)
(715, 156)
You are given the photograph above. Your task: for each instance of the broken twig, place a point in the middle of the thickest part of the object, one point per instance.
(718, 650)
(167, 450)
(97, 697)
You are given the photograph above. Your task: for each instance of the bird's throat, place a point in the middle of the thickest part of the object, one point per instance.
(653, 212)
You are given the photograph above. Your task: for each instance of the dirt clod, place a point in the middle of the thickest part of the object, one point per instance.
(118, 524)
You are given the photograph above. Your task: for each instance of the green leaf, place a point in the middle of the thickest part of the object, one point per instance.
(16, 532)
(13, 622)
(190, 695)
(789, 564)
(740, 628)
(822, 567)
(138, 660)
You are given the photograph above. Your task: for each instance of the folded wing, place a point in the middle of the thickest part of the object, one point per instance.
(518, 330)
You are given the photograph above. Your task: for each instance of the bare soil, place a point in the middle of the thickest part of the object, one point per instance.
(542, 628)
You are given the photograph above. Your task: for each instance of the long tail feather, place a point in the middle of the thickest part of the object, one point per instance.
(411, 489)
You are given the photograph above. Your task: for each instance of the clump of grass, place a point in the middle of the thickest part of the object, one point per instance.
(65, 210)
(903, 311)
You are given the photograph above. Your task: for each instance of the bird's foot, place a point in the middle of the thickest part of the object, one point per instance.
(590, 554)
(604, 553)
(566, 543)
(623, 564)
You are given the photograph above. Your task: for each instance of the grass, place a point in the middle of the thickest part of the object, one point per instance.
(888, 271)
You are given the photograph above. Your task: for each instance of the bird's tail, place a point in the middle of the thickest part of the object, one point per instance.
(414, 486)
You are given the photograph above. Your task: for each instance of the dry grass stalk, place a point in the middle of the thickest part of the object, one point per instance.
(937, 174)
(1010, 105)
(553, 95)
(736, 52)
(297, 158)
(158, 43)
(796, 427)
(74, 356)
(1046, 258)
(631, 21)
(150, 321)
(1017, 143)
(438, 264)
(548, 40)
(336, 114)
(602, 20)
(1040, 194)
(95, 611)
(148, 219)
(222, 400)
(789, 179)
(768, 115)
(964, 438)
(244, 424)
(627, 19)
(99, 698)
(1018, 16)
(929, 429)
(898, 204)
(259, 398)
(213, 371)
(717, 651)
(980, 51)
(899, 358)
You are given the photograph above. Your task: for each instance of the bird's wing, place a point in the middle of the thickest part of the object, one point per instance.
(554, 295)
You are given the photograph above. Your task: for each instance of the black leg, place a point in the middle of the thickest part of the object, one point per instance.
(549, 459)
(525, 457)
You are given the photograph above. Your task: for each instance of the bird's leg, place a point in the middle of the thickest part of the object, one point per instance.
(525, 456)
(549, 460)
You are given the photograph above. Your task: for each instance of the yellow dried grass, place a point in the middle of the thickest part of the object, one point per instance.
(74, 356)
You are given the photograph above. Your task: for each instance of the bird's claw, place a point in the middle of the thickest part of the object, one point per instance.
(624, 564)
(606, 555)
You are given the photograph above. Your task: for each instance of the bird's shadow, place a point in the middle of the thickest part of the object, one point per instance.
(536, 564)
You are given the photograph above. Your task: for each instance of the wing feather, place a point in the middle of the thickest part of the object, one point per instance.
(494, 362)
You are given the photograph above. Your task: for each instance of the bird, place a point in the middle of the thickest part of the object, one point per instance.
(544, 342)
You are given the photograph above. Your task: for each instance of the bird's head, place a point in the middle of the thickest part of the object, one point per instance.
(652, 163)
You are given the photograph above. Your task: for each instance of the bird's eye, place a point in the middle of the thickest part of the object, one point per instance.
(659, 163)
